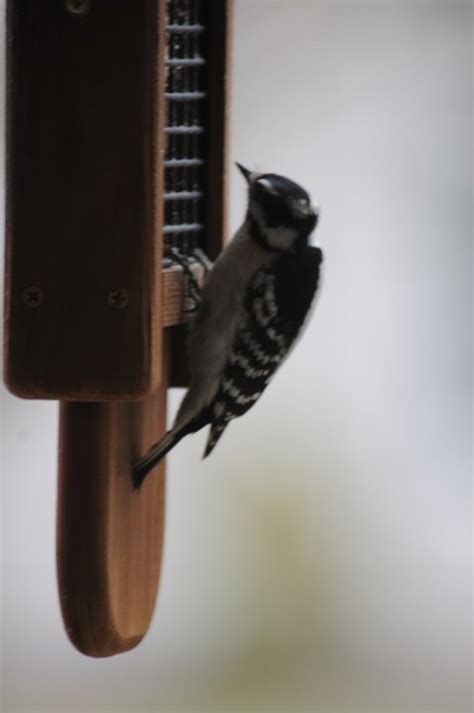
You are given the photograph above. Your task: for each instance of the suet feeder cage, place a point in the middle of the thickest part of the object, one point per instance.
(116, 153)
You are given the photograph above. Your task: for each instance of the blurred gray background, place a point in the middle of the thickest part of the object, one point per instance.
(320, 559)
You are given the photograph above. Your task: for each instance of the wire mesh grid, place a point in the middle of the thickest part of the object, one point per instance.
(186, 102)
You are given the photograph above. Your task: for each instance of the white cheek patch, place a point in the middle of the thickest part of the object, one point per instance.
(280, 238)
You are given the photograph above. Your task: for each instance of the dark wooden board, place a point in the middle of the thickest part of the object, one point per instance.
(84, 208)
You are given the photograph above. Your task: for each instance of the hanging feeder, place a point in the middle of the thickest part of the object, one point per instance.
(116, 153)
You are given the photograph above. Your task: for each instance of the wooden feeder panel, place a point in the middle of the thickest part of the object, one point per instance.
(103, 99)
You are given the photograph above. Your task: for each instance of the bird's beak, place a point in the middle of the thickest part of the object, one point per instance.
(244, 171)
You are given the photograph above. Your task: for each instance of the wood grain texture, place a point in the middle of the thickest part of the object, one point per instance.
(109, 536)
(85, 118)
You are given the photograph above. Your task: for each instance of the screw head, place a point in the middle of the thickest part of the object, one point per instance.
(78, 7)
(117, 299)
(32, 296)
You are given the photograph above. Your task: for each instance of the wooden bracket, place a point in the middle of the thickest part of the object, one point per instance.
(91, 316)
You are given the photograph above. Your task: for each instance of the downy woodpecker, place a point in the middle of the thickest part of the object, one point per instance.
(254, 303)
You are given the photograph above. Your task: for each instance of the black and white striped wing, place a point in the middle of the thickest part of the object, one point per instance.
(276, 304)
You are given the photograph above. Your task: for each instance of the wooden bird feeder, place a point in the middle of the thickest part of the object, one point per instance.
(116, 149)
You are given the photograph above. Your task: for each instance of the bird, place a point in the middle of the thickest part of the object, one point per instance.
(254, 304)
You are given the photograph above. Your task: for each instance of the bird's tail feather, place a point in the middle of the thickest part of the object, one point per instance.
(217, 429)
(156, 454)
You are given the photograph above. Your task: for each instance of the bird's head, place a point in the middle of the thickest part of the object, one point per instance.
(280, 212)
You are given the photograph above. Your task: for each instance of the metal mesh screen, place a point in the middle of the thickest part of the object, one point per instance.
(185, 169)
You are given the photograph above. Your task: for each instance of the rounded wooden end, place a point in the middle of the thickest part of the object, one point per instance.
(109, 536)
